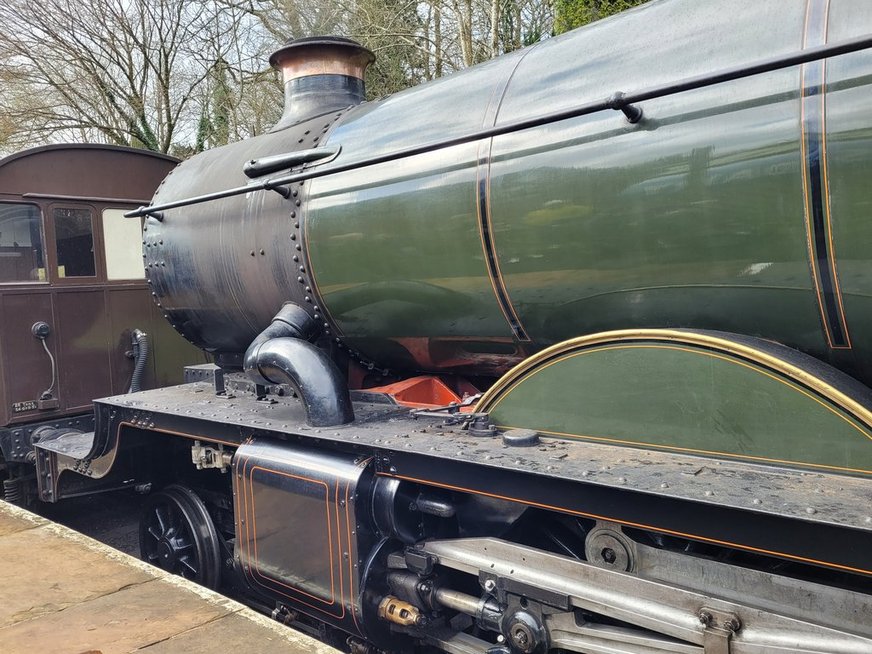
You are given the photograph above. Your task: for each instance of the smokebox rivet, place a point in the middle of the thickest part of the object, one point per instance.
(262, 252)
(296, 257)
(300, 279)
(293, 237)
(302, 269)
(317, 317)
(297, 203)
(308, 299)
(298, 247)
(252, 253)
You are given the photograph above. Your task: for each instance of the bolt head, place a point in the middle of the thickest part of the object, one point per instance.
(732, 624)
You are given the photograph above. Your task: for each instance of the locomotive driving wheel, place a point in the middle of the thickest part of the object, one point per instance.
(176, 534)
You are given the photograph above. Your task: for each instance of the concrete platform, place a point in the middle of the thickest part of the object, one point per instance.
(65, 593)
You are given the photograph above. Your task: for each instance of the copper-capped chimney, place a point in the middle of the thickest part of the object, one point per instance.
(321, 74)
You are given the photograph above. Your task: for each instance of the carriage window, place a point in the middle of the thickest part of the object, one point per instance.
(21, 258)
(74, 236)
(122, 238)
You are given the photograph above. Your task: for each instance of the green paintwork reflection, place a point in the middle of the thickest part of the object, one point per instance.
(660, 236)
(682, 398)
(406, 263)
(692, 218)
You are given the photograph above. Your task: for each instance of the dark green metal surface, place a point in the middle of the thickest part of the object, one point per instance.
(694, 217)
(686, 397)
(395, 249)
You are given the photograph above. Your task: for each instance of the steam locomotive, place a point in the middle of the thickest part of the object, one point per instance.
(563, 352)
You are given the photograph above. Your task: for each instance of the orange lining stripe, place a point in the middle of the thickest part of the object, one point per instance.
(826, 187)
(826, 210)
(637, 525)
(250, 477)
(805, 191)
(193, 437)
(251, 521)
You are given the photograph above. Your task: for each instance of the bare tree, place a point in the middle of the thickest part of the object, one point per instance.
(185, 75)
(109, 70)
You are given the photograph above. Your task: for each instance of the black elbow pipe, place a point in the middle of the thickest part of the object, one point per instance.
(282, 354)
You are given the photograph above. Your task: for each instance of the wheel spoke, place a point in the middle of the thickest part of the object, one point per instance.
(185, 561)
(162, 518)
(177, 534)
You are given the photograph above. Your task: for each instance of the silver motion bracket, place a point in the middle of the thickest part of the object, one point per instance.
(656, 615)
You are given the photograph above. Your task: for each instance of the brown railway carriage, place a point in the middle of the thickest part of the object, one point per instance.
(70, 260)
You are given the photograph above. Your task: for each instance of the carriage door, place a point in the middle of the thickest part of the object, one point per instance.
(77, 277)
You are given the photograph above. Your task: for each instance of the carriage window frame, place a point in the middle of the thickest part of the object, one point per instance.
(43, 247)
(96, 245)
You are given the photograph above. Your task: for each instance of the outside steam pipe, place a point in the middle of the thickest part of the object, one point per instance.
(282, 354)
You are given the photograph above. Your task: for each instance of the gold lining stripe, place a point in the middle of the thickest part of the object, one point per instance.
(825, 175)
(815, 181)
(789, 384)
(825, 390)
(484, 153)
